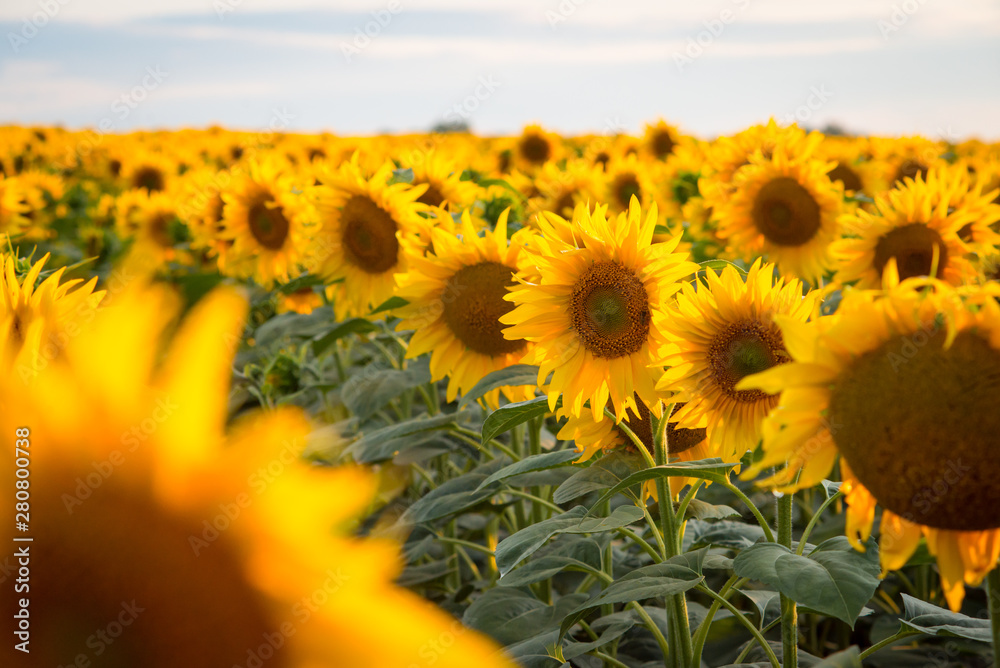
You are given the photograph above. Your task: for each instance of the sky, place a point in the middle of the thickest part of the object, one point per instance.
(890, 67)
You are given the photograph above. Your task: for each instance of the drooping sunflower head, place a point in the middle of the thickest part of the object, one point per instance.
(370, 229)
(718, 333)
(915, 227)
(594, 310)
(785, 207)
(456, 298)
(889, 383)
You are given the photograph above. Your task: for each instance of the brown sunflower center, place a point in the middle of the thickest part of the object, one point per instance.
(909, 169)
(564, 205)
(662, 144)
(785, 213)
(609, 309)
(268, 224)
(369, 235)
(847, 176)
(159, 230)
(919, 426)
(626, 185)
(913, 247)
(640, 424)
(149, 178)
(473, 305)
(431, 197)
(137, 586)
(535, 148)
(743, 349)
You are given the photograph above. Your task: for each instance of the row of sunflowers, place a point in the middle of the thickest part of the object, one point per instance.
(274, 381)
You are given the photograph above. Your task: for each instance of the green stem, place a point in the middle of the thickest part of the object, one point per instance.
(815, 520)
(701, 634)
(789, 611)
(531, 497)
(608, 659)
(753, 509)
(902, 633)
(746, 650)
(642, 543)
(745, 622)
(677, 603)
(653, 628)
(993, 591)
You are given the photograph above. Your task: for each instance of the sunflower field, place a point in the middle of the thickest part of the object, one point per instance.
(446, 400)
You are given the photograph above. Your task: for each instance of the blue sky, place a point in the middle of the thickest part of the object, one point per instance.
(877, 66)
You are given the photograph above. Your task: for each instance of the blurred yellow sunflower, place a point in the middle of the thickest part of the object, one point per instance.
(150, 221)
(13, 208)
(456, 298)
(38, 321)
(369, 231)
(535, 147)
(661, 139)
(878, 383)
(716, 334)
(270, 222)
(180, 544)
(912, 225)
(596, 309)
(784, 207)
(443, 178)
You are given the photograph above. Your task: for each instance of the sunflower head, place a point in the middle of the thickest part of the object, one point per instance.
(888, 383)
(718, 333)
(593, 311)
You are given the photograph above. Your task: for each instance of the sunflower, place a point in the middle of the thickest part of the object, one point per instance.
(456, 298)
(203, 210)
(912, 225)
(629, 177)
(13, 208)
(561, 188)
(596, 308)
(443, 178)
(718, 333)
(303, 300)
(154, 528)
(150, 220)
(878, 383)
(149, 171)
(270, 222)
(36, 322)
(369, 231)
(785, 207)
(661, 139)
(535, 147)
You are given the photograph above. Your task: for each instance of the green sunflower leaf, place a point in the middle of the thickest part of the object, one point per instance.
(546, 460)
(932, 620)
(513, 376)
(834, 579)
(507, 417)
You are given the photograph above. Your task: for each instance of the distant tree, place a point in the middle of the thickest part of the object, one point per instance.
(450, 126)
